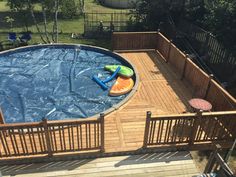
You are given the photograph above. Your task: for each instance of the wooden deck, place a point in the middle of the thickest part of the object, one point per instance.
(171, 164)
(160, 91)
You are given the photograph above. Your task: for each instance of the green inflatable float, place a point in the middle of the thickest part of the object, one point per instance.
(124, 70)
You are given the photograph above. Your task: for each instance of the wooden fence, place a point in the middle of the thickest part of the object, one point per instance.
(134, 40)
(51, 137)
(203, 85)
(190, 129)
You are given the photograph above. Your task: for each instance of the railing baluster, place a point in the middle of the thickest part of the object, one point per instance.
(102, 122)
(60, 136)
(12, 142)
(39, 139)
(3, 142)
(69, 126)
(31, 142)
(72, 136)
(54, 137)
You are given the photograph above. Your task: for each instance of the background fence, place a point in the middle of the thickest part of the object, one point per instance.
(214, 54)
(92, 22)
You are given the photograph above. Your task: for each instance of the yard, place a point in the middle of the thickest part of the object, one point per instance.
(122, 131)
(76, 25)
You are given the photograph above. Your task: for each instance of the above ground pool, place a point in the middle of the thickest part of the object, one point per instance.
(55, 81)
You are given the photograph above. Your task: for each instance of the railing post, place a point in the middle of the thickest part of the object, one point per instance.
(2, 119)
(102, 132)
(146, 131)
(48, 142)
(196, 122)
(168, 54)
(208, 85)
(184, 68)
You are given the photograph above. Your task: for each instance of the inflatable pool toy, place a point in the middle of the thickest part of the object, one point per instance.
(103, 83)
(124, 71)
(122, 86)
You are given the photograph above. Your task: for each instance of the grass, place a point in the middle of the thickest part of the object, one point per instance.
(66, 26)
(3, 6)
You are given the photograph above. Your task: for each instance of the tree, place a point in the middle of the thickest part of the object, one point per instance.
(221, 21)
(149, 13)
(49, 10)
(69, 8)
(9, 20)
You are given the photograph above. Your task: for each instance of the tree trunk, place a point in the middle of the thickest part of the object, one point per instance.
(45, 22)
(35, 21)
(82, 6)
(55, 25)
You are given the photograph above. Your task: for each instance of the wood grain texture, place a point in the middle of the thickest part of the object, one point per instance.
(168, 164)
(160, 91)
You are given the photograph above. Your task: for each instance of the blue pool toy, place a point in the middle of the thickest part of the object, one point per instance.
(103, 83)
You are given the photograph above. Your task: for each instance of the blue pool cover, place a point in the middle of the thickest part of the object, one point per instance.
(54, 82)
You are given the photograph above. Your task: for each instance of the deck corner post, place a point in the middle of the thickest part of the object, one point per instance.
(2, 119)
(47, 137)
(102, 132)
(196, 123)
(184, 67)
(168, 53)
(146, 131)
(211, 76)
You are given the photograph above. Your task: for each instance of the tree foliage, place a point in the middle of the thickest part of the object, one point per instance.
(69, 8)
(221, 20)
(149, 13)
(49, 11)
(217, 16)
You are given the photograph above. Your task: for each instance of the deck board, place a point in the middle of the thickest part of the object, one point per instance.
(160, 91)
(154, 164)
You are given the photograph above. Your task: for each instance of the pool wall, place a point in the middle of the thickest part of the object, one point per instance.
(95, 49)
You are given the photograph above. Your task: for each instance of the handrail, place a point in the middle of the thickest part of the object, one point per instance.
(61, 122)
(219, 113)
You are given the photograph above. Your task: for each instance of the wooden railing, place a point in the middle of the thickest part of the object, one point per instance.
(134, 41)
(190, 129)
(51, 137)
(203, 85)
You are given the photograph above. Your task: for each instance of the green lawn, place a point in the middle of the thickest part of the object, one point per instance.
(3, 6)
(66, 26)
